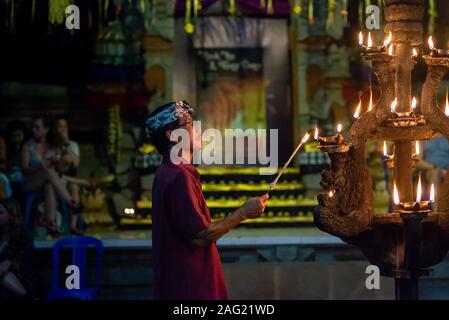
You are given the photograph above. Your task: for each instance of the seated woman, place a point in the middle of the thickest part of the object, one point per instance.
(67, 159)
(16, 272)
(40, 175)
(5, 189)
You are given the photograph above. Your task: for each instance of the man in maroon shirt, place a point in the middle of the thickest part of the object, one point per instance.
(185, 257)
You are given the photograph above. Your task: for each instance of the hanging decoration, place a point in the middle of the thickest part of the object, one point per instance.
(297, 7)
(310, 15)
(196, 7)
(13, 16)
(432, 16)
(231, 8)
(360, 11)
(188, 25)
(56, 10)
(330, 12)
(344, 10)
(33, 10)
(115, 133)
(270, 9)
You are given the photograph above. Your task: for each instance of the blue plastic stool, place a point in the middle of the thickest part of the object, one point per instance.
(79, 258)
(30, 198)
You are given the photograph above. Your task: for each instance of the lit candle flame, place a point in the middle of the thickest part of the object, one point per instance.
(339, 127)
(413, 104)
(432, 193)
(388, 40)
(395, 194)
(370, 106)
(446, 110)
(370, 42)
(418, 189)
(315, 136)
(414, 53)
(331, 193)
(305, 138)
(361, 39)
(394, 104)
(430, 42)
(357, 111)
(417, 151)
(390, 50)
(385, 148)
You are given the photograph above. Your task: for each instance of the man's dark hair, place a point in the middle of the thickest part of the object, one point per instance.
(158, 137)
(61, 116)
(46, 120)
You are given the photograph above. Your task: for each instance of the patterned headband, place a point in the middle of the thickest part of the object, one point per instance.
(171, 113)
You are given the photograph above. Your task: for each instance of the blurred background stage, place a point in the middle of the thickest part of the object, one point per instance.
(268, 64)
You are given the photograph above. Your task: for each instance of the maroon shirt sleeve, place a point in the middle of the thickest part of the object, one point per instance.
(186, 214)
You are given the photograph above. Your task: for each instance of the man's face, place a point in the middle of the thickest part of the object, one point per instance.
(62, 127)
(17, 137)
(186, 123)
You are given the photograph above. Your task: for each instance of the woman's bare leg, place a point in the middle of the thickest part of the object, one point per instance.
(50, 202)
(74, 192)
(52, 177)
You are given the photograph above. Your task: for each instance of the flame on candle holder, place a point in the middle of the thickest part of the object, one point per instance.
(394, 104)
(390, 50)
(413, 104)
(414, 53)
(370, 106)
(357, 111)
(432, 193)
(385, 148)
(315, 135)
(331, 193)
(370, 42)
(446, 109)
(430, 42)
(418, 189)
(388, 40)
(305, 138)
(417, 151)
(339, 127)
(395, 194)
(360, 38)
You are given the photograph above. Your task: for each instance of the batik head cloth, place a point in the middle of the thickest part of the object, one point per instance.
(167, 114)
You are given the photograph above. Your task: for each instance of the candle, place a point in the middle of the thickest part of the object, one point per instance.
(394, 104)
(446, 109)
(413, 104)
(357, 111)
(336, 139)
(370, 106)
(370, 48)
(315, 136)
(339, 128)
(436, 52)
(417, 151)
(418, 189)
(418, 206)
(390, 50)
(385, 148)
(414, 53)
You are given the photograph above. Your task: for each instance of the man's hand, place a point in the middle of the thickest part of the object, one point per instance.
(254, 207)
(4, 267)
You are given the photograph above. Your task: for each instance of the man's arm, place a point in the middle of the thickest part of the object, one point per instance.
(253, 208)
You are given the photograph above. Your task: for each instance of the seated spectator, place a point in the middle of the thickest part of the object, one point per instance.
(15, 137)
(40, 175)
(16, 272)
(67, 159)
(5, 189)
